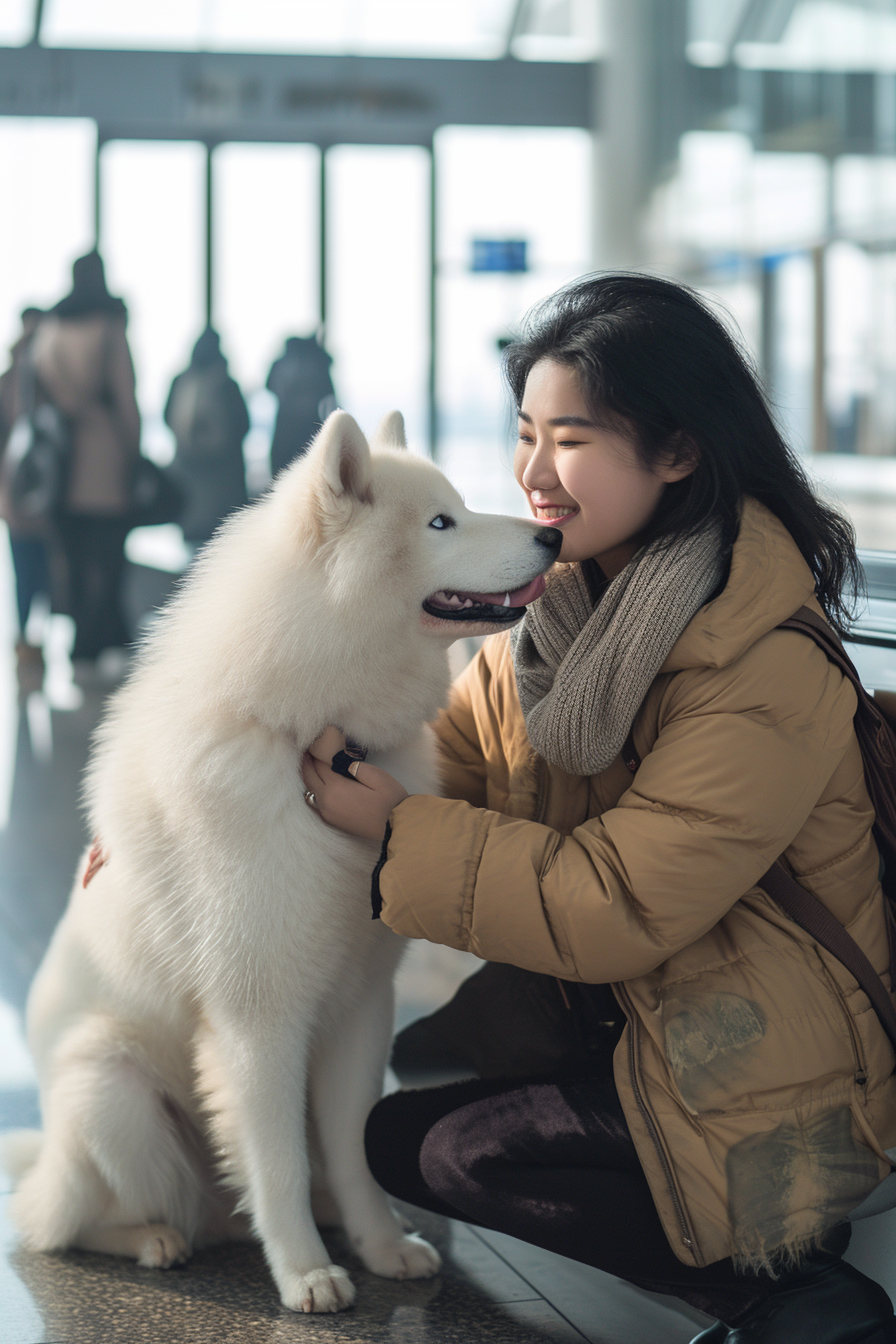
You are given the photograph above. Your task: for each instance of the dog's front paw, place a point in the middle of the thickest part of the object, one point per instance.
(162, 1248)
(407, 1257)
(328, 1289)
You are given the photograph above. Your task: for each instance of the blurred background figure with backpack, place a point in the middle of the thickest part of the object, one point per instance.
(28, 538)
(207, 414)
(81, 357)
(300, 380)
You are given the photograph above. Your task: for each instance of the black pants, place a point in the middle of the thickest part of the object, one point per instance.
(550, 1161)
(29, 561)
(94, 555)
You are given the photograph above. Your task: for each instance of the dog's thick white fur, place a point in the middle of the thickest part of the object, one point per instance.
(220, 983)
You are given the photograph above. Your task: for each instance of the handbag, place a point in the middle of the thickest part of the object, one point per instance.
(156, 498)
(37, 455)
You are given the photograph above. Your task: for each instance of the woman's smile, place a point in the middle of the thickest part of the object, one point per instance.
(555, 514)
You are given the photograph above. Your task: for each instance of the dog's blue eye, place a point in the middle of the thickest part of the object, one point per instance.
(442, 520)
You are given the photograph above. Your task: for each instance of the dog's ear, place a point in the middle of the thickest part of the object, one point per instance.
(390, 431)
(343, 457)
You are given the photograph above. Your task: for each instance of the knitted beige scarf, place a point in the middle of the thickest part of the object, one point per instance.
(582, 671)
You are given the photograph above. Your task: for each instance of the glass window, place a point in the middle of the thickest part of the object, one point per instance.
(265, 251)
(265, 285)
(551, 30)
(165, 24)
(378, 296)
(16, 22)
(47, 220)
(153, 231)
(491, 185)
(471, 28)
(828, 34)
(560, 30)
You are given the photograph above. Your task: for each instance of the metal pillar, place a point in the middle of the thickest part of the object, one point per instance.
(322, 247)
(768, 355)
(97, 194)
(432, 371)
(209, 235)
(624, 100)
(38, 23)
(820, 435)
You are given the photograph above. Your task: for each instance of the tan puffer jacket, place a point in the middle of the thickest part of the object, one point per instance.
(754, 1074)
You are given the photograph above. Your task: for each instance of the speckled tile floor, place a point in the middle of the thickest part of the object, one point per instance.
(492, 1288)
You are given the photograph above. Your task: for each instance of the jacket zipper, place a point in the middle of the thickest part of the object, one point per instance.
(686, 1235)
(861, 1072)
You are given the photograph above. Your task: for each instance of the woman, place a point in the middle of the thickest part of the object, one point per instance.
(207, 413)
(750, 1098)
(81, 355)
(29, 538)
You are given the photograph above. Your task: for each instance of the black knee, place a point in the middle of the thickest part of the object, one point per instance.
(449, 1162)
(385, 1142)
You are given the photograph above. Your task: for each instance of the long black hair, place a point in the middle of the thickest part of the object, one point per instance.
(655, 362)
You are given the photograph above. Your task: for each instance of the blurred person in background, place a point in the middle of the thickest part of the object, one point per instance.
(28, 540)
(82, 359)
(300, 380)
(207, 414)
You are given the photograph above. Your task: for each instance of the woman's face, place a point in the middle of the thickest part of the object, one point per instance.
(587, 481)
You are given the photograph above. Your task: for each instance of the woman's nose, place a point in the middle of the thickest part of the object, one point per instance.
(539, 472)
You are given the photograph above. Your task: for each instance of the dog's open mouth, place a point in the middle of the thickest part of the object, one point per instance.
(493, 607)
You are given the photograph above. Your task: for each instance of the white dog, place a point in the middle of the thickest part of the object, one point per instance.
(221, 976)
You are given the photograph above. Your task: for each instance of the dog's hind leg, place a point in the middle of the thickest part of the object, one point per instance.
(112, 1173)
(253, 1073)
(152, 1244)
(347, 1081)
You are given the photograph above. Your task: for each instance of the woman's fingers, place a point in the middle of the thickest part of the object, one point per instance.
(339, 802)
(328, 744)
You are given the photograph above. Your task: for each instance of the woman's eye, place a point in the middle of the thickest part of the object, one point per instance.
(442, 521)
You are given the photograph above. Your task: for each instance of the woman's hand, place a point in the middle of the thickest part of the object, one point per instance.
(358, 804)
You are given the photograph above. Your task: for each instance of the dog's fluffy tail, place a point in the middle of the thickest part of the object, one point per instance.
(19, 1151)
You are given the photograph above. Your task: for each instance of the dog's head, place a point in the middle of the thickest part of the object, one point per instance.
(396, 543)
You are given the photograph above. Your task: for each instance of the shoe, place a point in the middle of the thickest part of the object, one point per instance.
(835, 1304)
(29, 664)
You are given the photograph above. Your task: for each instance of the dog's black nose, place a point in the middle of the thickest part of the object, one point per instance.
(551, 537)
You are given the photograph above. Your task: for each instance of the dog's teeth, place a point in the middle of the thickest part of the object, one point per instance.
(506, 602)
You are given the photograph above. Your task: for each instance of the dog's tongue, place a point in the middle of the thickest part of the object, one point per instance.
(520, 597)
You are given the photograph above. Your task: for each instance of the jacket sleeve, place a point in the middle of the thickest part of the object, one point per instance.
(742, 756)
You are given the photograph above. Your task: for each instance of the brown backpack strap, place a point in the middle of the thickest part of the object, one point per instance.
(807, 911)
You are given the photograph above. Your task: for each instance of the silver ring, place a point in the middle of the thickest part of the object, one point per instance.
(310, 798)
